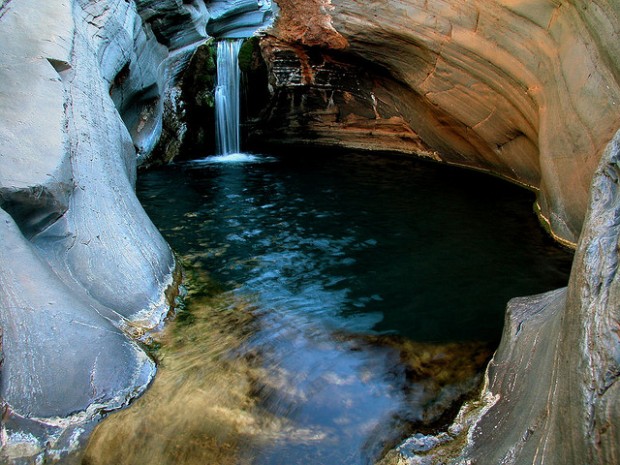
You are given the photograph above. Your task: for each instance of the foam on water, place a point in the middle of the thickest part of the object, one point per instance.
(232, 158)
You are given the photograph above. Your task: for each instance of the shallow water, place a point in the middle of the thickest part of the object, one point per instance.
(338, 303)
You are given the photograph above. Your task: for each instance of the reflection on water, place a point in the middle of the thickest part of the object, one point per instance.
(349, 302)
(226, 395)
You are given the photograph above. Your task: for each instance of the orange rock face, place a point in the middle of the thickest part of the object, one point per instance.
(525, 89)
(309, 23)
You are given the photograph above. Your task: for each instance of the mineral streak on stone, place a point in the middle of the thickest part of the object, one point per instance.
(81, 265)
(529, 92)
(309, 23)
(329, 100)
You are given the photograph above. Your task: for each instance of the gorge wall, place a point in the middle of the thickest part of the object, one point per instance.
(83, 272)
(527, 90)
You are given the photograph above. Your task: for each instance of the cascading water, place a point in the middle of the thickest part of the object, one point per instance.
(227, 97)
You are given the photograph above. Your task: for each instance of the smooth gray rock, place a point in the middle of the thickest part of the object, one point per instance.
(554, 379)
(82, 268)
(105, 243)
(33, 117)
(65, 362)
(161, 42)
(175, 23)
(239, 18)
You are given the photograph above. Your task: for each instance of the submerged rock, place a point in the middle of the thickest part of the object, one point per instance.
(84, 271)
(526, 92)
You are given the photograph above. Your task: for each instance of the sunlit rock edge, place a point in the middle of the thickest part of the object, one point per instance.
(528, 92)
(84, 272)
(551, 391)
(85, 276)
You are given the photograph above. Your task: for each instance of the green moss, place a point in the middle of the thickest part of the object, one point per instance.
(248, 54)
(199, 79)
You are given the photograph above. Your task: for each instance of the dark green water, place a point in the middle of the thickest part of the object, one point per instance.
(386, 244)
(337, 251)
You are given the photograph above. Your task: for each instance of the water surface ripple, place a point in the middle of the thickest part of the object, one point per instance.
(394, 245)
(375, 286)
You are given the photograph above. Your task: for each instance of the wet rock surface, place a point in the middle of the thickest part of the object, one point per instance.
(555, 376)
(83, 269)
(84, 272)
(221, 396)
(239, 18)
(528, 93)
(552, 387)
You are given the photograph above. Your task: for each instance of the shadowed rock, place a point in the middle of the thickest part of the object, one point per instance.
(529, 92)
(238, 18)
(555, 375)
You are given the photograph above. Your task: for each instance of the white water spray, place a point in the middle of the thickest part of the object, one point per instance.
(227, 97)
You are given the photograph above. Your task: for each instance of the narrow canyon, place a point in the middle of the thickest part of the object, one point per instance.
(91, 90)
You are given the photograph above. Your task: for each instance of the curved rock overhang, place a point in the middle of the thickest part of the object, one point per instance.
(526, 91)
(238, 19)
(83, 271)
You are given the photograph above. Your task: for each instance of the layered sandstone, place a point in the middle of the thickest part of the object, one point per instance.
(526, 90)
(552, 393)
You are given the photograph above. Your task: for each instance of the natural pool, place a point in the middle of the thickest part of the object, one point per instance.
(338, 302)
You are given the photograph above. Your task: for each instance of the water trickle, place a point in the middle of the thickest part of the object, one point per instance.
(227, 97)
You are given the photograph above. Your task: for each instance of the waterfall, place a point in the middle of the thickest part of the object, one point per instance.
(227, 97)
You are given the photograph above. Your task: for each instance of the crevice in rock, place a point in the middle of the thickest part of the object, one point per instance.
(62, 67)
(4, 6)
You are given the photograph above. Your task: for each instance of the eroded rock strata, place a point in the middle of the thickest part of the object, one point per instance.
(525, 90)
(552, 392)
(529, 92)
